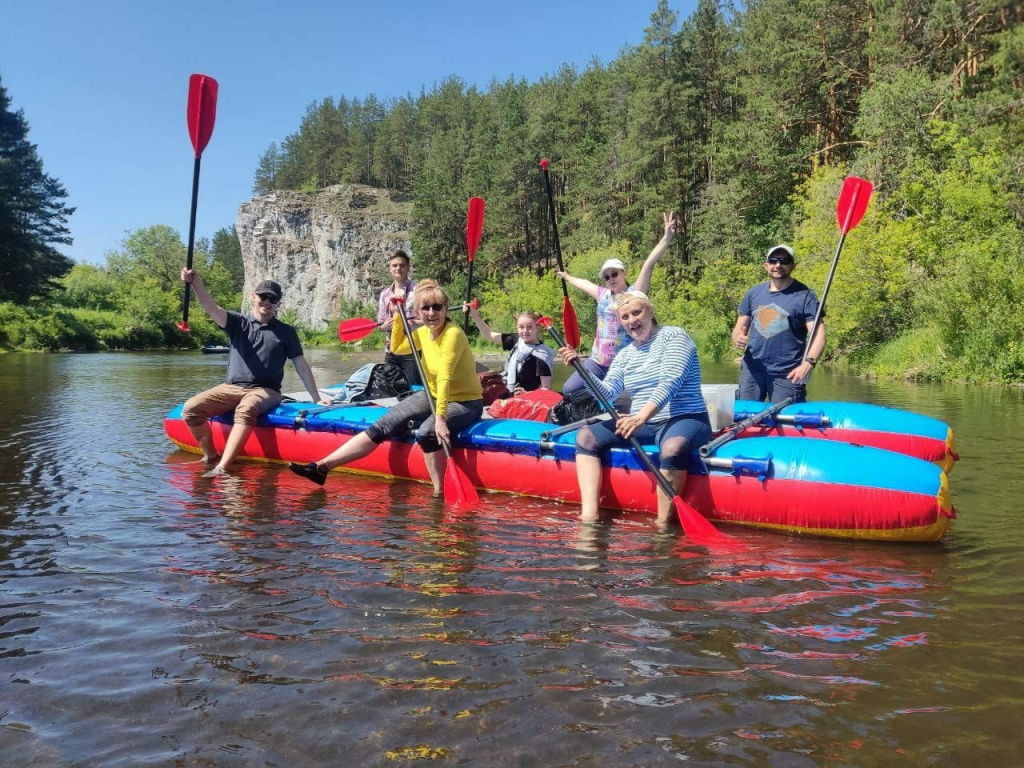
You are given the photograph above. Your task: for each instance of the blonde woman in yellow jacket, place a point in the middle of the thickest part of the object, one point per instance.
(451, 378)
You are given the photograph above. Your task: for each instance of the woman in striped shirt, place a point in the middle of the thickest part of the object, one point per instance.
(660, 370)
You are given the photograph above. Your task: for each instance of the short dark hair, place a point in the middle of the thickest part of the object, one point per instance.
(400, 254)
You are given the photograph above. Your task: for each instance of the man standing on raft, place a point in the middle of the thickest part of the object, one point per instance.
(774, 320)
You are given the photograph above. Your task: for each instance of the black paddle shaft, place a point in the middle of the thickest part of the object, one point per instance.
(191, 237)
(554, 230)
(588, 377)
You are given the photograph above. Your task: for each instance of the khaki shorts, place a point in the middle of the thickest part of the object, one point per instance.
(249, 403)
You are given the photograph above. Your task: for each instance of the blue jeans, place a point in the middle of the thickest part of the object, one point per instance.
(757, 384)
(675, 438)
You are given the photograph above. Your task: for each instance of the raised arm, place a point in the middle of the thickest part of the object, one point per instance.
(643, 280)
(217, 313)
(586, 286)
(482, 326)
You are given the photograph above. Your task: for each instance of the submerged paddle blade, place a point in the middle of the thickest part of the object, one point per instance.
(356, 328)
(853, 201)
(474, 225)
(458, 490)
(699, 528)
(202, 110)
(570, 323)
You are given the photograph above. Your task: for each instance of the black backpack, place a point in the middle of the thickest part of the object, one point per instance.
(373, 381)
(575, 407)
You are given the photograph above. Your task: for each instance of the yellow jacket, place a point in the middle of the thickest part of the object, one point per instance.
(447, 362)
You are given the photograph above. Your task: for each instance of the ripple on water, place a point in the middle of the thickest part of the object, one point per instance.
(251, 620)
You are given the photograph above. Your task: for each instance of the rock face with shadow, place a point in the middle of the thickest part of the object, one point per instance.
(323, 247)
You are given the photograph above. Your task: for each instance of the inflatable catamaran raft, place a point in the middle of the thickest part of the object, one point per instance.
(847, 470)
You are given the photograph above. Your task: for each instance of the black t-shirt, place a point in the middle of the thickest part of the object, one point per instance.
(533, 368)
(258, 352)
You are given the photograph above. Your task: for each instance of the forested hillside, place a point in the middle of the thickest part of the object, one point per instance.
(744, 120)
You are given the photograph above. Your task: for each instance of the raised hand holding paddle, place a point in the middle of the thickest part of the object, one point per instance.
(569, 321)
(201, 115)
(695, 525)
(458, 490)
(474, 228)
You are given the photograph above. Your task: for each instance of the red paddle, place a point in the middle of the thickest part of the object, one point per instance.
(695, 525)
(201, 115)
(474, 228)
(569, 321)
(458, 490)
(357, 328)
(853, 201)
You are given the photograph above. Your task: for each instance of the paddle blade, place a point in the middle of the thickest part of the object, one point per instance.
(458, 490)
(570, 323)
(699, 528)
(474, 225)
(356, 328)
(202, 110)
(853, 201)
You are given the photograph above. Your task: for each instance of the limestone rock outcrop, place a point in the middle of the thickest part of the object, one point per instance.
(323, 247)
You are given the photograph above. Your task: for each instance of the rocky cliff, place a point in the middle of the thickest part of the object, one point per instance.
(323, 247)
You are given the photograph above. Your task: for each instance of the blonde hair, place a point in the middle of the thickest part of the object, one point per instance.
(529, 313)
(429, 290)
(629, 297)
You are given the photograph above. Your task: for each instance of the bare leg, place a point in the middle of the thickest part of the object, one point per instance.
(236, 439)
(677, 479)
(356, 448)
(588, 474)
(436, 463)
(204, 436)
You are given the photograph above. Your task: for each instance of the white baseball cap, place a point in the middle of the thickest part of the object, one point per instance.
(780, 247)
(611, 264)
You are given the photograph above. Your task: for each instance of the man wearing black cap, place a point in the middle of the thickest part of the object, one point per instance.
(260, 344)
(774, 320)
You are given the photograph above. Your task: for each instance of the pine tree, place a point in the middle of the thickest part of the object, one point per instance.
(33, 217)
(265, 178)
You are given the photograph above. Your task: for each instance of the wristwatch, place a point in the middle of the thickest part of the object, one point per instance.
(812, 360)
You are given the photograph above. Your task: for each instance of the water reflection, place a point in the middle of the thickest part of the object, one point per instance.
(252, 619)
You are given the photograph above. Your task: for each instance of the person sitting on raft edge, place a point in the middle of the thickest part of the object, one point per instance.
(451, 378)
(259, 346)
(529, 364)
(660, 370)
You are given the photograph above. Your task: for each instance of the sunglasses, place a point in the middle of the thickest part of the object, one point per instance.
(784, 260)
(611, 274)
(431, 307)
(268, 297)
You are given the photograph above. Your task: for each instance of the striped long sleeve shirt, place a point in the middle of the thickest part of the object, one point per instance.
(664, 370)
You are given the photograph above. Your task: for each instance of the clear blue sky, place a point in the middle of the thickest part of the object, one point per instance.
(104, 84)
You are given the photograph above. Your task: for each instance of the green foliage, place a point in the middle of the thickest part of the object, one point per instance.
(744, 120)
(226, 250)
(33, 216)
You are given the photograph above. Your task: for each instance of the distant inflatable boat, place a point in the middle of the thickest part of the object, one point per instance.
(787, 481)
(212, 349)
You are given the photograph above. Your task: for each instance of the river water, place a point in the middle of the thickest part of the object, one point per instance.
(151, 617)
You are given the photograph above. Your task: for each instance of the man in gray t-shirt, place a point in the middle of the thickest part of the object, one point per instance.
(260, 344)
(774, 320)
